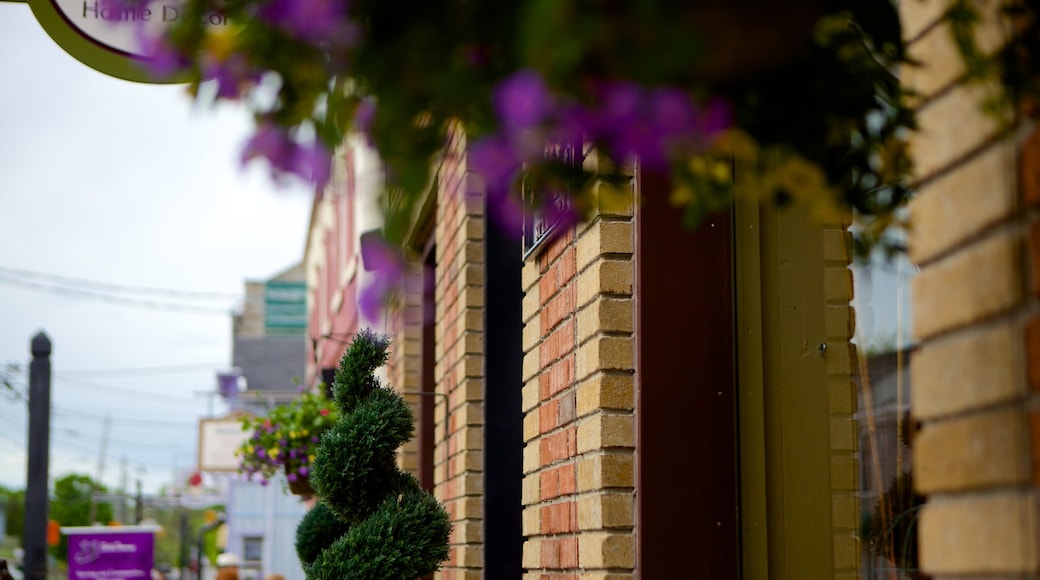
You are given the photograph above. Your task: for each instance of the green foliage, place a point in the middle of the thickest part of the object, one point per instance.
(168, 541)
(70, 506)
(1011, 77)
(13, 501)
(353, 483)
(806, 81)
(354, 378)
(316, 532)
(406, 537)
(391, 528)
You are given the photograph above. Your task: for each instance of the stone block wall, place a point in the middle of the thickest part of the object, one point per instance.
(579, 475)
(974, 309)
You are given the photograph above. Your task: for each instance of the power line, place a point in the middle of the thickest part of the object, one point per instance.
(114, 299)
(186, 368)
(119, 288)
(60, 410)
(123, 442)
(129, 391)
(145, 371)
(132, 420)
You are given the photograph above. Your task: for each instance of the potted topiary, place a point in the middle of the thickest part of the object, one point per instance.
(373, 522)
(285, 441)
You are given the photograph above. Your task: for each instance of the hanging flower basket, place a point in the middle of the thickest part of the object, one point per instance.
(299, 484)
(285, 440)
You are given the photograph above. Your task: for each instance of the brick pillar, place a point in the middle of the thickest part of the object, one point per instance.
(459, 358)
(578, 398)
(839, 320)
(973, 457)
(404, 363)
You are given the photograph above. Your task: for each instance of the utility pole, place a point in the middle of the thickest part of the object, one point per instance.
(37, 507)
(100, 468)
(122, 490)
(139, 504)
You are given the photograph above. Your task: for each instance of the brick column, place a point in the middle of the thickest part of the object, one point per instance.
(973, 458)
(459, 358)
(578, 398)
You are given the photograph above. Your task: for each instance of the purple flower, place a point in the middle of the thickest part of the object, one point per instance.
(264, 481)
(387, 264)
(364, 114)
(230, 74)
(314, 21)
(313, 163)
(652, 124)
(270, 142)
(314, 438)
(522, 100)
(716, 116)
(310, 162)
(261, 452)
(160, 58)
(291, 477)
(672, 112)
(497, 160)
(303, 471)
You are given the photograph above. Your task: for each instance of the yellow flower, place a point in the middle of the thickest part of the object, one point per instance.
(736, 143)
(249, 449)
(721, 171)
(698, 165)
(310, 458)
(220, 42)
(304, 433)
(801, 178)
(292, 434)
(681, 196)
(273, 452)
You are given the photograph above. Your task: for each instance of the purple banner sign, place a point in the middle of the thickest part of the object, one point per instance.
(118, 553)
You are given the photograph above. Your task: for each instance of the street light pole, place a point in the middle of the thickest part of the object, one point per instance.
(37, 506)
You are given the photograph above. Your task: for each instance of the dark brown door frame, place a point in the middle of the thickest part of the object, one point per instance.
(686, 447)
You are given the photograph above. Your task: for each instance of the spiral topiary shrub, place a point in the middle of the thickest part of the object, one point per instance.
(318, 529)
(392, 529)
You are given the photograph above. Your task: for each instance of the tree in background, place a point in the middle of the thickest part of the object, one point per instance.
(393, 529)
(13, 501)
(70, 506)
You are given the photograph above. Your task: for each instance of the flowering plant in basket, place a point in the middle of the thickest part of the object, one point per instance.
(286, 438)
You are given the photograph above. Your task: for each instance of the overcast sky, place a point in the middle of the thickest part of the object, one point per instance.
(103, 180)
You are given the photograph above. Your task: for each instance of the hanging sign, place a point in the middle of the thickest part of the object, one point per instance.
(107, 38)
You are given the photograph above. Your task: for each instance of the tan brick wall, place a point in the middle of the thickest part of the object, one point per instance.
(459, 358)
(458, 354)
(839, 317)
(403, 367)
(578, 487)
(975, 456)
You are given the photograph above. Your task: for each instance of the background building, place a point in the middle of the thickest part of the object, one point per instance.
(269, 342)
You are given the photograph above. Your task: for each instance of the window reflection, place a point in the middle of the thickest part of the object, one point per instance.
(888, 505)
